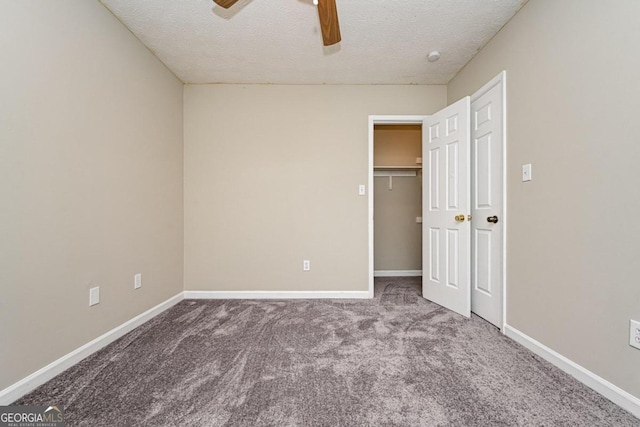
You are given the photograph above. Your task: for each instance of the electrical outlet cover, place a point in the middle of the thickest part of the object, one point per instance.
(94, 296)
(634, 334)
(526, 172)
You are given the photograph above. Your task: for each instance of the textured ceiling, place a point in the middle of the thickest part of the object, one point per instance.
(279, 41)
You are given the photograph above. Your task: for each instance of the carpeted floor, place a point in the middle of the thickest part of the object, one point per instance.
(397, 360)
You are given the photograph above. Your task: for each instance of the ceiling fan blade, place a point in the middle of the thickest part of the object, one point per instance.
(225, 3)
(328, 13)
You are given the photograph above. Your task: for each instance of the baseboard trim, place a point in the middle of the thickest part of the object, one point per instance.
(397, 273)
(612, 392)
(41, 376)
(276, 294)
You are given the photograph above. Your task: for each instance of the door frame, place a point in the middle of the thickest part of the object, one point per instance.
(501, 78)
(382, 120)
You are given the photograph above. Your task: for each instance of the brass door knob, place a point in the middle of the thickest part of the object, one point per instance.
(459, 218)
(493, 219)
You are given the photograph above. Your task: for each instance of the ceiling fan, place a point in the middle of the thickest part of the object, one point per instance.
(327, 11)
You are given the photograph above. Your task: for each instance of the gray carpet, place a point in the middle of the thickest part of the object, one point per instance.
(397, 360)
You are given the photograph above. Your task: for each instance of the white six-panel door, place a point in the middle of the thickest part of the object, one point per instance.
(445, 206)
(487, 128)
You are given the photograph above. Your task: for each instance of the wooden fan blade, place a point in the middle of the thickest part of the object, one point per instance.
(225, 3)
(328, 13)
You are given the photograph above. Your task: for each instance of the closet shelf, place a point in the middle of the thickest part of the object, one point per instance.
(400, 168)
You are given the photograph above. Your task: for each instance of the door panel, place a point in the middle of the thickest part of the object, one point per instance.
(452, 176)
(434, 254)
(453, 266)
(481, 275)
(446, 241)
(486, 201)
(482, 167)
(434, 179)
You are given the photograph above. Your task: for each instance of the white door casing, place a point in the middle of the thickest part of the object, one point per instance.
(487, 170)
(445, 195)
(386, 120)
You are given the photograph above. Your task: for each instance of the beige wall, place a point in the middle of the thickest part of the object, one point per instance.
(397, 145)
(271, 178)
(573, 100)
(397, 236)
(90, 179)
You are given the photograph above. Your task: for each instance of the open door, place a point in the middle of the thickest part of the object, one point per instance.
(487, 203)
(446, 231)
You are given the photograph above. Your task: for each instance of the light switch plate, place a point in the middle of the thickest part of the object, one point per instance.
(526, 172)
(362, 190)
(137, 281)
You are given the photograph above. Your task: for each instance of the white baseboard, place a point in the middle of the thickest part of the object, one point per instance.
(397, 273)
(41, 376)
(610, 391)
(275, 294)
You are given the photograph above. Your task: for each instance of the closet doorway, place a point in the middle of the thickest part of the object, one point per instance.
(397, 188)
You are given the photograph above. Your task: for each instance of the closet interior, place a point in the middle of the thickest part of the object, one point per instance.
(397, 159)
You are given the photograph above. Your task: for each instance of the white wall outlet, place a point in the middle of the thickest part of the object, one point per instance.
(634, 333)
(306, 265)
(526, 172)
(362, 190)
(137, 281)
(94, 296)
